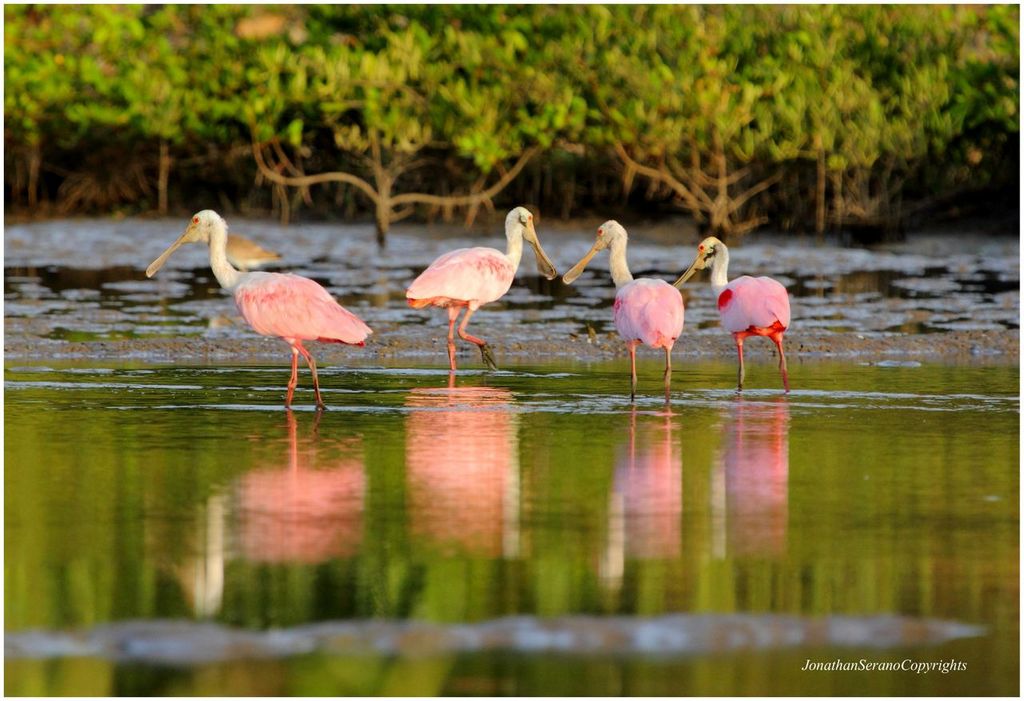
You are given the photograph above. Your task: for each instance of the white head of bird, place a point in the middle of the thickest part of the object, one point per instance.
(518, 228)
(711, 253)
(611, 235)
(210, 228)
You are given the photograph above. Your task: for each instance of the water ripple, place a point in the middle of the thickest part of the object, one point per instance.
(186, 642)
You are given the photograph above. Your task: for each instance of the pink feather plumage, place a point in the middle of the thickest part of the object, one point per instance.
(296, 309)
(753, 302)
(650, 311)
(465, 276)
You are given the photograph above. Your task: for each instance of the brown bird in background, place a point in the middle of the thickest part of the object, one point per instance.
(246, 254)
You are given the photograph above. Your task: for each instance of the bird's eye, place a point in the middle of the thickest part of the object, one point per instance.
(195, 220)
(700, 248)
(600, 232)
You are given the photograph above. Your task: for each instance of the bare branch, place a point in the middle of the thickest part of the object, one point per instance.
(475, 198)
(290, 167)
(660, 176)
(698, 178)
(283, 157)
(400, 214)
(306, 180)
(738, 175)
(416, 164)
(741, 199)
(748, 225)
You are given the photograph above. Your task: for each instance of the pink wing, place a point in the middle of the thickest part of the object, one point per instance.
(295, 307)
(650, 311)
(753, 301)
(479, 275)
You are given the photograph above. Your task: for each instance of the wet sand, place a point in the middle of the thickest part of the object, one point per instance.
(426, 345)
(950, 296)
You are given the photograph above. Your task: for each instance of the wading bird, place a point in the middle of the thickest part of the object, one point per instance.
(646, 311)
(294, 308)
(748, 306)
(471, 277)
(247, 255)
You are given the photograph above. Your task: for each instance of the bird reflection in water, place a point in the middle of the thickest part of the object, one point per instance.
(202, 574)
(750, 487)
(305, 512)
(646, 503)
(462, 461)
(295, 511)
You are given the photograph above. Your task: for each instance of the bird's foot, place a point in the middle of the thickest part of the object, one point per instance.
(488, 357)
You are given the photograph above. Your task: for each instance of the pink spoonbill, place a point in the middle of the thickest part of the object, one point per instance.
(471, 277)
(748, 306)
(647, 310)
(292, 307)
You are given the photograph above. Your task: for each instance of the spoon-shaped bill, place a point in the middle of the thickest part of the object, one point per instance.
(574, 271)
(159, 262)
(689, 272)
(544, 265)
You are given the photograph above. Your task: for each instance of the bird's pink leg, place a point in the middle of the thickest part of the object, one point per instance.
(777, 338)
(739, 351)
(294, 380)
(453, 314)
(632, 365)
(668, 372)
(485, 350)
(312, 369)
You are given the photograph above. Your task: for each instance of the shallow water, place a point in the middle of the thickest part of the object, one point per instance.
(139, 492)
(83, 280)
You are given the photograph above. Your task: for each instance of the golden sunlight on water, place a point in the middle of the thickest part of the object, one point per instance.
(872, 512)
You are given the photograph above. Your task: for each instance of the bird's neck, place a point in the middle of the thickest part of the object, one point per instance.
(514, 252)
(225, 273)
(720, 269)
(620, 268)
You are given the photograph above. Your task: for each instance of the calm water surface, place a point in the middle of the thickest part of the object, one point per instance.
(146, 492)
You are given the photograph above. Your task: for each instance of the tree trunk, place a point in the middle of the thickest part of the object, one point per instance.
(383, 222)
(35, 160)
(721, 222)
(281, 193)
(819, 198)
(164, 177)
(837, 196)
(382, 212)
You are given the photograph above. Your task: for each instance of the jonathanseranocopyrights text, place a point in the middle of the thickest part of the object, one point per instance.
(862, 665)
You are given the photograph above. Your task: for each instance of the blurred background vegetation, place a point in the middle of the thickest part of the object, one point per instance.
(807, 118)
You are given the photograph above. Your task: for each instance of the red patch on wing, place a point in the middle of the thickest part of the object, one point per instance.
(776, 329)
(324, 339)
(724, 299)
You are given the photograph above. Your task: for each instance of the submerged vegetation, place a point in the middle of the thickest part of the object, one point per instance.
(806, 117)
